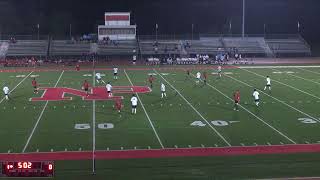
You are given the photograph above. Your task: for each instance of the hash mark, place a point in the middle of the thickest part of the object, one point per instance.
(80, 149)
(241, 144)
(175, 146)
(9, 151)
(121, 148)
(281, 142)
(189, 146)
(108, 149)
(37, 150)
(65, 149)
(149, 147)
(202, 145)
(51, 150)
(135, 147)
(307, 142)
(255, 144)
(268, 143)
(215, 145)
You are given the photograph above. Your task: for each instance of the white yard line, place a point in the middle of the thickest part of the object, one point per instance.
(17, 85)
(284, 84)
(260, 119)
(214, 129)
(93, 125)
(147, 115)
(275, 99)
(308, 70)
(304, 79)
(268, 67)
(39, 118)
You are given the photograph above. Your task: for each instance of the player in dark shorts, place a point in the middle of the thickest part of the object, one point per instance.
(188, 75)
(35, 86)
(151, 79)
(236, 97)
(77, 67)
(86, 86)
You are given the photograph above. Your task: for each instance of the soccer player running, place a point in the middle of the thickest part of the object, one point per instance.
(98, 78)
(236, 97)
(134, 104)
(151, 79)
(6, 92)
(219, 71)
(268, 84)
(35, 86)
(163, 90)
(115, 73)
(198, 77)
(205, 76)
(118, 105)
(256, 97)
(109, 89)
(188, 75)
(77, 67)
(86, 87)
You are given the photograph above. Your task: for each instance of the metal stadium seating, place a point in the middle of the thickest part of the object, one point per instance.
(164, 47)
(289, 46)
(69, 48)
(27, 48)
(124, 47)
(205, 46)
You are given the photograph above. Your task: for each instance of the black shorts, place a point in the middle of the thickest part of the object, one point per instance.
(109, 91)
(115, 74)
(134, 106)
(6, 94)
(86, 89)
(256, 100)
(236, 101)
(268, 85)
(35, 87)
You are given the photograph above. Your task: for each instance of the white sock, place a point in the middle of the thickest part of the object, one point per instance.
(265, 88)
(7, 97)
(269, 88)
(165, 94)
(161, 95)
(135, 110)
(132, 110)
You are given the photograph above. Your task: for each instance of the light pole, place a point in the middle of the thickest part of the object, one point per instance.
(192, 27)
(243, 16)
(70, 31)
(157, 32)
(38, 27)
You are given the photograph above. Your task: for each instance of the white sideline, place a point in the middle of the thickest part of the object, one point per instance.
(285, 84)
(145, 111)
(216, 131)
(17, 85)
(39, 118)
(93, 124)
(273, 128)
(275, 99)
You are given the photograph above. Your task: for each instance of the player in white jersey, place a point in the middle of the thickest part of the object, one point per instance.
(109, 89)
(115, 73)
(268, 83)
(256, 97)
(163, 90)
(6, 92)
(134, 104)
(219, 71)
(98, 78)
(198, 76)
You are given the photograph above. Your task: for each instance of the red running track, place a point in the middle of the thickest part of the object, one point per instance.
(163, 153)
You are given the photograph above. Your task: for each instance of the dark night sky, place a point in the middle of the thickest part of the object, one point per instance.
(173, 16)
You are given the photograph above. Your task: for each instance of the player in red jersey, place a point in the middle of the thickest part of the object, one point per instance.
(205, 76)
(188, 75)
(151, 79)
(118, 105)
(77, 67)
(35, 86)
(236, 97)
(86, 87)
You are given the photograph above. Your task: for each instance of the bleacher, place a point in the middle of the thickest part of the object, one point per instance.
(247, 45)
(124, 47)
(26, 48)
(69, 48)
(292, 46)
(205, 46)
(163, 47)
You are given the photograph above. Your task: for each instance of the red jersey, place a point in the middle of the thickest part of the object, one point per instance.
(86, 85)
(34, 83)
(204, 75)
(151, 79)
(118, 104)
(236, 96)
(77, 67)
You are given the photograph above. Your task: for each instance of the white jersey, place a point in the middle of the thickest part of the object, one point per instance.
(256, 95)
(109, 87)
(6, 90)
(98, 75)
(163, 88)
(198, 75)
(219, 68)
(134, 58)
(268, 81)
(134, 101)
(115, 70)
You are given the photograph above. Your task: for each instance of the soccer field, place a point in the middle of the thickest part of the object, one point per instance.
(191, 116)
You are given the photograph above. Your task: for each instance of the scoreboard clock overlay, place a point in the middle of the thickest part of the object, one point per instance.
(27, 169)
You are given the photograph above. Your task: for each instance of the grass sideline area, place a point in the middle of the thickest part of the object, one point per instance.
(191, 116)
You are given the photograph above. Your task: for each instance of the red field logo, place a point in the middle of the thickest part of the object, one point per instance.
(97, 93)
